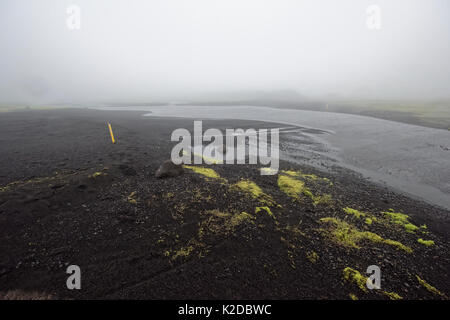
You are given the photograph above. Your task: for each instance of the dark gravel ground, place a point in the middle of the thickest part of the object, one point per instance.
(69, 196)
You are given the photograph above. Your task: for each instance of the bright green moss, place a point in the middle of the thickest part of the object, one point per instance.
(358, 214)
(355, 277)
(392, 295)
(267, 209)
(312, 256)
(322, 199)
(410, 227)
(398, 245)
(353, 296)
(290, 186)
(369, 219)
(400, 219)
(429, 287)
(219, 223)
(298, 173)
(239, 218)
(396, 217)
(206, 172)
(254, 191)
(294, 188)
(427, 243)
(183, 252)
(268, 171)
(97, 174)
(347, 235)
(292, 173)
(250, 187)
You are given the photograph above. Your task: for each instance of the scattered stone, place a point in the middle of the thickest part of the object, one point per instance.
(169, 169)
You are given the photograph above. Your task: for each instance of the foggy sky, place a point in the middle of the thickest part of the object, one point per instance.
(174, 49)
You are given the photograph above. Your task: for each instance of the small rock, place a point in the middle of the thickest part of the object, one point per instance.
(168, 169)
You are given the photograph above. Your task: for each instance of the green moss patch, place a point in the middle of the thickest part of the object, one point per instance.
(268, 211)
(97, 174)
(294, 188)
(219, 223)
(392, 295)
(239, 218)
(347, 235)
(183, 252)
(324, 199)
(427, 243)
(430, 288)
(208, 173)
(355, 277)
(312, 256)
(356, 213)
(311, 177)
(368, 218)
(253, 190)
(353, 296)
(400, 219)
(291, 187)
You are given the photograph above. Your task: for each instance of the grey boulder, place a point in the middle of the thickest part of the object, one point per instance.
(168, 169)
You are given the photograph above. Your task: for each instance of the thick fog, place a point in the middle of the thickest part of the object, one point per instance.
(154, 50)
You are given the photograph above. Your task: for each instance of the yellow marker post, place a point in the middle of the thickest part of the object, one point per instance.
(111, 132)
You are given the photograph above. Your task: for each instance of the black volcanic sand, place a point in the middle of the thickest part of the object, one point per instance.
(69, 196)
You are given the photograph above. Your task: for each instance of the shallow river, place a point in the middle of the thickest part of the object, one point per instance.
(409, 158)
